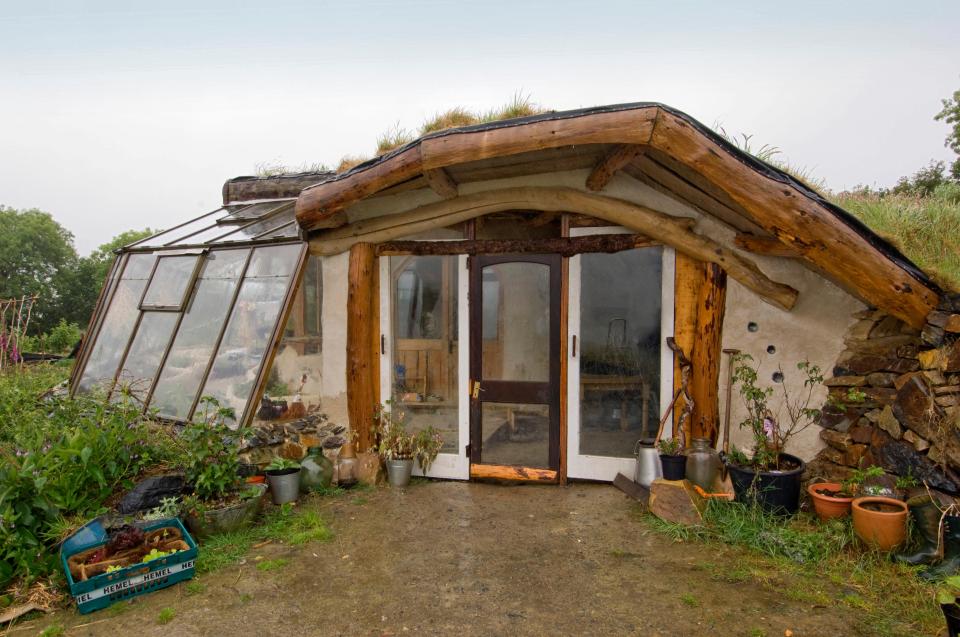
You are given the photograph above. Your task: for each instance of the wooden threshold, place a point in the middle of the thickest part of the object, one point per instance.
(508, 472)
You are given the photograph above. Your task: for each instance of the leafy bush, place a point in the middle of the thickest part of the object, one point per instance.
(213, 451)
(59, 340)
(60, 457)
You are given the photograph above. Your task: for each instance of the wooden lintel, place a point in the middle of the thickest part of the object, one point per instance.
(766, 246)
(610, 164)
(661, 227)
(506, 472)
(441, 183)
(362, 356)
(564, 246)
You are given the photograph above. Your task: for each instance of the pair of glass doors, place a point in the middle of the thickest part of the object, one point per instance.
(473, 346)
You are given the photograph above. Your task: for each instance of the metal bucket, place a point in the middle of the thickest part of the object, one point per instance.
(648, 462)
(284, 485)
(398, 472)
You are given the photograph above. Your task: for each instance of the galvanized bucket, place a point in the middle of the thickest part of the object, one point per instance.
(398, 472)
(284, 485)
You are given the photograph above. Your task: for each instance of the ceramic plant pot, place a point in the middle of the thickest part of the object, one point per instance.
(284, 485)
(398, 472)
(227, 519)
(774, 491)
(674, 467)
(880, 522)
(829, 507)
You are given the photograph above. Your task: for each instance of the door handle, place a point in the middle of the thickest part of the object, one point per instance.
(476, 390)
(574, 348)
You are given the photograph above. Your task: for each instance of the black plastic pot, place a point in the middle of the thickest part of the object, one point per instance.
(951, 613)
(674, 467)
(775, 491)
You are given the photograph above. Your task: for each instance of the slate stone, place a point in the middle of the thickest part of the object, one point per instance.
(949, 302)
(861, 434)
(146, 494)
(836, 439)
(932, 335)
(889, 423)
(334, 441)
(915, 408)
(886, 346)
(908, 351)
(938, 318)
(888, 326)
(899, 457)
(881, 379)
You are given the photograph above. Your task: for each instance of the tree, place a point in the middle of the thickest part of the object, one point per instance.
(34, 249)
(951, 115)
(37, 256)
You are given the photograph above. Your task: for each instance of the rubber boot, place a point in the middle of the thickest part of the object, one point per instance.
(926, 520)
(951, 551)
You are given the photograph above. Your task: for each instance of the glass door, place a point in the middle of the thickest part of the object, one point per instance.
(423, 359)
(515, 366)
(619, 375)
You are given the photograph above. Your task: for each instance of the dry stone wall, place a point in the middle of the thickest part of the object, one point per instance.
(905, 412)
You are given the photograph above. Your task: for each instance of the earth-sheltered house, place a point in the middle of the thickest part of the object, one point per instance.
(513, 284)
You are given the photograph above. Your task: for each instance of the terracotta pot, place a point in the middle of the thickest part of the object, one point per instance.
(256, 479)
(826, 506)
(884, 529)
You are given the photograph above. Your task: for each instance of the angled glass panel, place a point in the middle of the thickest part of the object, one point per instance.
(274, 260)
(196, 339)
(170, 282)
(250, 327)
(146, 350)
(163, 238)
(139, 266)
(118, 323)
(253, 212)
(287, 231)
(208, 234)
(250, 231)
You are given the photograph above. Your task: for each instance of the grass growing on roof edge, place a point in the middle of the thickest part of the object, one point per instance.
(813, 563)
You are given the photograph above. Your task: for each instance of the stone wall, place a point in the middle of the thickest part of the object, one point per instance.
(291, 439)
(907, 416)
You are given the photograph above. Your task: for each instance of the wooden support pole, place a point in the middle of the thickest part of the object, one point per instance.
(690, 274)
(362, 356)
(610, 164)
(441, 183)
(705, 379)
(564, 246)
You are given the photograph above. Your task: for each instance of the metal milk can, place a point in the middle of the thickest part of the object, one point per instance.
(648, 462)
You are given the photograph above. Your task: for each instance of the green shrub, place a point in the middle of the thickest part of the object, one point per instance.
(212, 451)
(59, 458)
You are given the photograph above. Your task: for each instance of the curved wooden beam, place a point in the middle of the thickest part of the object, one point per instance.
(672, 231)
(800, 222)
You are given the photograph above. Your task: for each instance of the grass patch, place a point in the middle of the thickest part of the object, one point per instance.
(812, 563)
(272, 565)
(194, 587)
(284, 524)
(56, 630)
(689, 600)
(166, 615)
(926, 229)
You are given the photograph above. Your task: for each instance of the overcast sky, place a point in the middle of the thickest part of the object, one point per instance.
(115, 117)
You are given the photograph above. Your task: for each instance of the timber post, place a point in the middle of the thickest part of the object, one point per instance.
(362, 355)
(711, 304)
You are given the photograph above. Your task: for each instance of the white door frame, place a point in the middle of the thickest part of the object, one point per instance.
(586, 467)
(447, 465)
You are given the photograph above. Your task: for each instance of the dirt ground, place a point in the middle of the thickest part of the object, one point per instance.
(448, 558)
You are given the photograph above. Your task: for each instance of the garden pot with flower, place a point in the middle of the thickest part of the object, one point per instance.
(398, 449)
(284, 478)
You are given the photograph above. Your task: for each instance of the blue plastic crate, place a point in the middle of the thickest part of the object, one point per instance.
(105, 589)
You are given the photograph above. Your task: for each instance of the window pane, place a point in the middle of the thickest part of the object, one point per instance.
(294, 384)
(252, 230)
(515, 434)
(198, 333)
(425, 344)
(515, 317)
(174, 233)
(146, 350)
(620, 350)
(139, 266)
(274, 260)
(114, 333)
(170, 281)
(252, 212)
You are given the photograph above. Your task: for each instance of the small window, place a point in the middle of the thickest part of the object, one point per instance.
(171, 282)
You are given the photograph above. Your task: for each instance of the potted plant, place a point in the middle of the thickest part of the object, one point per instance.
(833, 499)
(220, 502)
(880, 522)
(947, 594)
(672, 459)
(770, 476)
(399, 449)
(283, 475)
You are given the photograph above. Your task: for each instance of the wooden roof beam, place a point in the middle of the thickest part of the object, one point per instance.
(441, 183)
(673, 231)
(766, 246)
(610, 164)
(799, 221)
